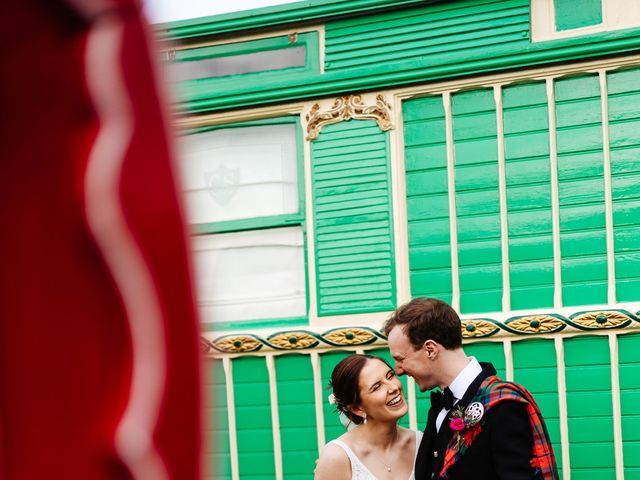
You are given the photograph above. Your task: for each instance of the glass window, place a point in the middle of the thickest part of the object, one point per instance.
(237, 64)
(243, 198)
(239, 173)
(260, 58)
(251, 275)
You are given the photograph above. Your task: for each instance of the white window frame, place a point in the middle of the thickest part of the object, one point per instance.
(616, 15)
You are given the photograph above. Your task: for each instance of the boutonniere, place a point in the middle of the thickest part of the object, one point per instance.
(464, 419)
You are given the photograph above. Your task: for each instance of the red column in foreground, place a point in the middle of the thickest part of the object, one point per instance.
(99, 368)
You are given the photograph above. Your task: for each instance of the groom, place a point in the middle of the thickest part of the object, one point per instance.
(479, 427)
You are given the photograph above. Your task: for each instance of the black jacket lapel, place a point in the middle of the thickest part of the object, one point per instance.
(425, 452)
(423, 458)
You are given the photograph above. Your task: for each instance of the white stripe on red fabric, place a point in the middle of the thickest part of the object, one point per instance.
(134, 438)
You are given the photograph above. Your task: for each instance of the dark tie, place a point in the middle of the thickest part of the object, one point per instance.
(440, 400)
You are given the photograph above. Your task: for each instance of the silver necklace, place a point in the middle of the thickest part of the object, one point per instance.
(386, 465)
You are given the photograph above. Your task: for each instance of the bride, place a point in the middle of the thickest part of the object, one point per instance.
(368, 392)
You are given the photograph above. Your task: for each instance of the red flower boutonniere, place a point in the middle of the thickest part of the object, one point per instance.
(457, 424)
(464, 419)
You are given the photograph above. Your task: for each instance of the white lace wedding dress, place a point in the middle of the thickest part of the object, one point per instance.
(360, 472)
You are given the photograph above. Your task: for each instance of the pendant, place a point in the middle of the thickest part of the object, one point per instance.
(388, 469)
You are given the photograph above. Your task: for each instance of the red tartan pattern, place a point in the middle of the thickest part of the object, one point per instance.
(491, 392)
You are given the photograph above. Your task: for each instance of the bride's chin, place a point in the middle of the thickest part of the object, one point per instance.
(400, 412)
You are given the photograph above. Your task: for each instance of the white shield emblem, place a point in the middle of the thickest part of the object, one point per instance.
(222, 183)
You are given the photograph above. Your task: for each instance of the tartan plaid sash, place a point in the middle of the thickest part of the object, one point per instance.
(491, 392)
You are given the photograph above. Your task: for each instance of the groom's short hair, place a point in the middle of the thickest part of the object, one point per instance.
(425, 319)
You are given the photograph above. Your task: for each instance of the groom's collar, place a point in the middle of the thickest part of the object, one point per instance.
(464, 379)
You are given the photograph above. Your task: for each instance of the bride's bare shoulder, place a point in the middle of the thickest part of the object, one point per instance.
(407, 435)
(333, 464)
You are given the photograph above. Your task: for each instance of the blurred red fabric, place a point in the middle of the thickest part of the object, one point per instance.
(69, 351)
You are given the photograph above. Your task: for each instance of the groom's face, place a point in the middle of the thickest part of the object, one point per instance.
(410, 361)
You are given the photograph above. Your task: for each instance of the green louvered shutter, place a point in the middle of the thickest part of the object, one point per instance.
(352, 219)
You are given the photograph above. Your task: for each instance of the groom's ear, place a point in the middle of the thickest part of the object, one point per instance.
(430, 347)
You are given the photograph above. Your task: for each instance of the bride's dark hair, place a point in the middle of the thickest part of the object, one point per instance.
(344, 382)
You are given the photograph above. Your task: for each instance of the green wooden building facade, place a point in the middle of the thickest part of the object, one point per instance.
(340, 157)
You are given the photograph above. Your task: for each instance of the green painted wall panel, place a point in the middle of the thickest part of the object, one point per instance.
(432, 31)
(535, 367)
(624, 136)
(477, 205)
(427, 198)
(488, 352)
(217, 464)
(253, 418)
(629, 376)
(579, 132)
(572, 14)
(528, 182)
(352, 217)
(535, 144)
(528, 177)
(297, 414)
(589, 400)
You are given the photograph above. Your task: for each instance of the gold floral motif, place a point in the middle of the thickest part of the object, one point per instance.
(346, 108)
(349, 336)
(477, 328)
(236, 344)
(601, 319)
(536, 324)
(293, 340)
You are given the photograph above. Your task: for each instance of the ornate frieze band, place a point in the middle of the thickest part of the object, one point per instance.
(477, 328)
(346, 108)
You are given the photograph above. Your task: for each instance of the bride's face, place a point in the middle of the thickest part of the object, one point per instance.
(381, 395)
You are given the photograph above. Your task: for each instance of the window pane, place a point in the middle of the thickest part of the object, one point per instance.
(239, 173)
(251, 275)
(236, 64)
(572, 14)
